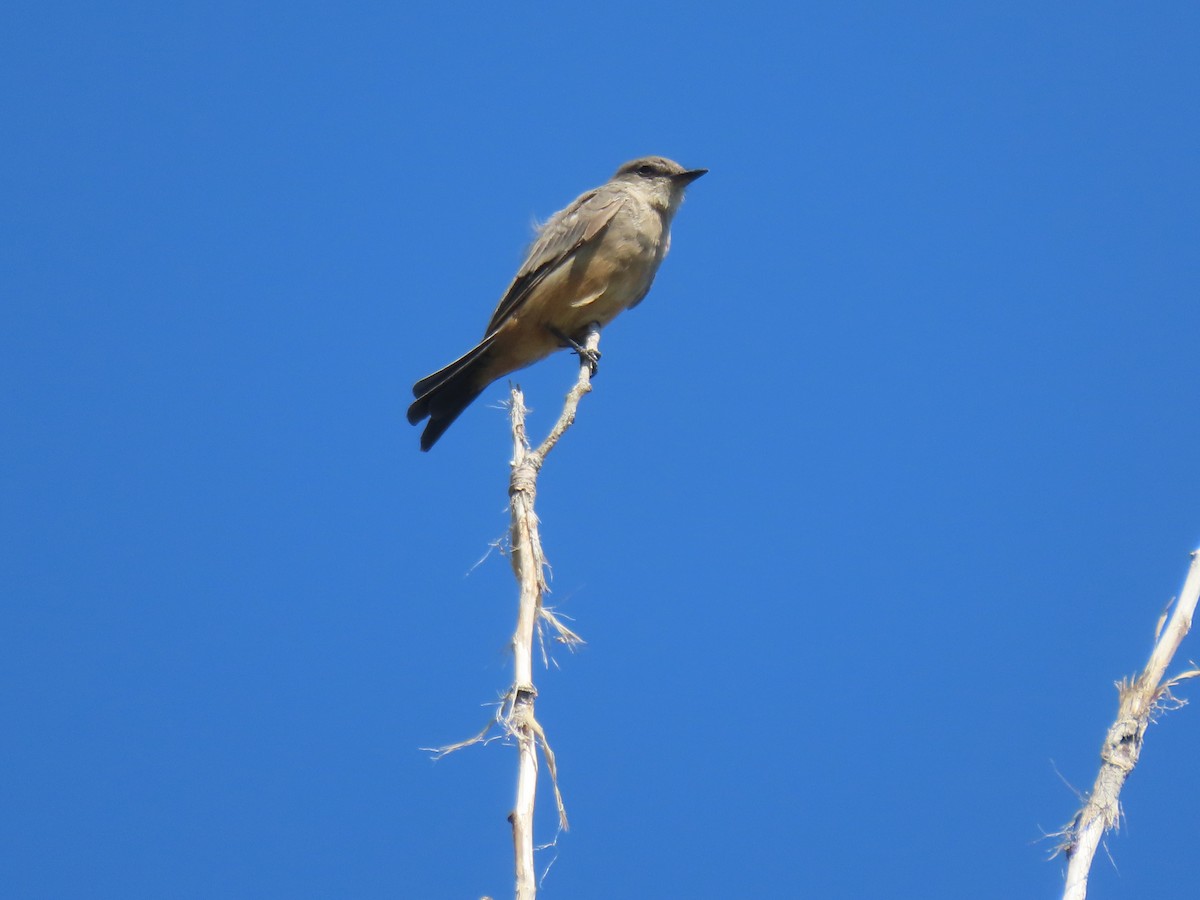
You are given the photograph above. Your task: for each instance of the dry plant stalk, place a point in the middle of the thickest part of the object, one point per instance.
(529, 565)
(1139, 699)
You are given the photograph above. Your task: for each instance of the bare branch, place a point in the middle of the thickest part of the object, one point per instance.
(1140, 700)
(529, 566)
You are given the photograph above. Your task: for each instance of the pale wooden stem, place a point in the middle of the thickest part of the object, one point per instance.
(529, 566)
(1123, 743)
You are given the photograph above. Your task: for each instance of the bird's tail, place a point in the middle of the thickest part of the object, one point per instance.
(442, 396)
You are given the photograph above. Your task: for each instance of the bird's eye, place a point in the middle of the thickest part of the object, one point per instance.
(645, 170)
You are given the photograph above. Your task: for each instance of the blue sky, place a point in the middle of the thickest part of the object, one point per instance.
(877, 494)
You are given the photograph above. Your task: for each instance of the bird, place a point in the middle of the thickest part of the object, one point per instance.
(590, 261)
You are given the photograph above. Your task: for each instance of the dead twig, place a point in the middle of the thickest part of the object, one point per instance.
(530, 566)
(1141, 699)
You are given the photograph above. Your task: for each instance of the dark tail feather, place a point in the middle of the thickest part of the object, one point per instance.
(443, 395)
(445, 404)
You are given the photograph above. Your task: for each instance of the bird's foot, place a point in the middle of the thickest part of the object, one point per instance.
(591, 357)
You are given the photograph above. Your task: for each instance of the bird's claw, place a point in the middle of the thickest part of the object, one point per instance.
(591, 357)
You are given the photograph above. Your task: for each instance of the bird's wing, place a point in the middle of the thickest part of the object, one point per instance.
(557, 241)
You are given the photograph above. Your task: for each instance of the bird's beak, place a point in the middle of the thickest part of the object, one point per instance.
(686, 178)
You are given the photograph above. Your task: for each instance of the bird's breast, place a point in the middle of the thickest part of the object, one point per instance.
(607, 275)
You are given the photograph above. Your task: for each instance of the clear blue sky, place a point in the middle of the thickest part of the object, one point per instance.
(878, 492)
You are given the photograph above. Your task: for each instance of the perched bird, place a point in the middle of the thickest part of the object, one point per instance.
(589, 262)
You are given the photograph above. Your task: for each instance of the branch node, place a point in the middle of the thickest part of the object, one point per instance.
(1140, 701)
